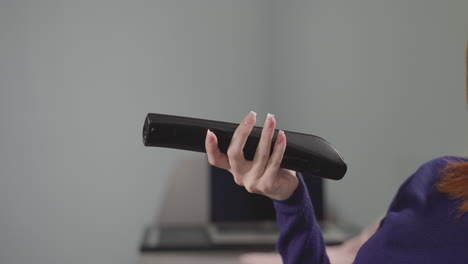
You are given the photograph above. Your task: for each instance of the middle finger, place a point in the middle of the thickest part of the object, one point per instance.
(235, 151)
(262, 155)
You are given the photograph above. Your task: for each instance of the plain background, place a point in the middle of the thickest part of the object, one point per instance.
(382, 80)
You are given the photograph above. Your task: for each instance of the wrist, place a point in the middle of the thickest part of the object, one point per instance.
(296, 188)
(294, 184)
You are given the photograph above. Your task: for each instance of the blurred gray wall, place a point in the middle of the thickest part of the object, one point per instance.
(382, 80)
(76, 81)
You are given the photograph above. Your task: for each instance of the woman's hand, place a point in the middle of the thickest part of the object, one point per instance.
(262, 175)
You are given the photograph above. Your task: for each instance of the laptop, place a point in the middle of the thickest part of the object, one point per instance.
(237, 216)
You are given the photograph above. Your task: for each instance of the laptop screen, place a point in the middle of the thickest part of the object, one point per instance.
(230, 202)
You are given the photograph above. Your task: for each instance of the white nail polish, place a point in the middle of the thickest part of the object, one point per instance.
(250, 118)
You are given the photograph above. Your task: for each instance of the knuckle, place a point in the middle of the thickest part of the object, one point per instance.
(264, 156)
(238, 180)
(214, 162)
(258, 168)
(251, 188)
(233, 153)
(211, 160)
(234, 171)
(276, 162)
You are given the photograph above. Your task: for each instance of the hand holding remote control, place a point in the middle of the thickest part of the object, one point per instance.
(263, 175)
(305, 153)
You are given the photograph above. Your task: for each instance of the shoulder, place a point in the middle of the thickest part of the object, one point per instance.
(443, 161)
(432, 167)
(429, 173)
(419, 191)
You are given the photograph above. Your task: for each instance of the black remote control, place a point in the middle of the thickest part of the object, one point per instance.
(304, 153)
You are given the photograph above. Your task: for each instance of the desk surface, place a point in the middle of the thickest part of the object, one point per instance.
(194, 239)
(190, 258)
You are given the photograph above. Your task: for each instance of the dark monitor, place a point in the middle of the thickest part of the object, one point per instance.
(232, 203)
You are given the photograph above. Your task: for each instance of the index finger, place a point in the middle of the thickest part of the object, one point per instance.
(215, 156)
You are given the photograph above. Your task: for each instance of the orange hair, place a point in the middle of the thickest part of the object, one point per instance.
(454, 182)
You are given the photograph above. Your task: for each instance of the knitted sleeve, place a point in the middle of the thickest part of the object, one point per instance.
(300, 239)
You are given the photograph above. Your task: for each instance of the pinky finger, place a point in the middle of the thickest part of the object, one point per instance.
(277, 156)
(215, 156)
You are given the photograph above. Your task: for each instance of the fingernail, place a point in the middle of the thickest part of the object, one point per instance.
(209, 134)
(269, 120)
(250, 118)
(280, 138)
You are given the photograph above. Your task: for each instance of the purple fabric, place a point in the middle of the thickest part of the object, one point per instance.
(421, 225)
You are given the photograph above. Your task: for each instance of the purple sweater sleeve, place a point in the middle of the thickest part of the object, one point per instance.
(300, 239)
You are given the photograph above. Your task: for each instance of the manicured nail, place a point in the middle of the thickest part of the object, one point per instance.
(250, 118)
(210, 134)
(269, 120)
(280, 138)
